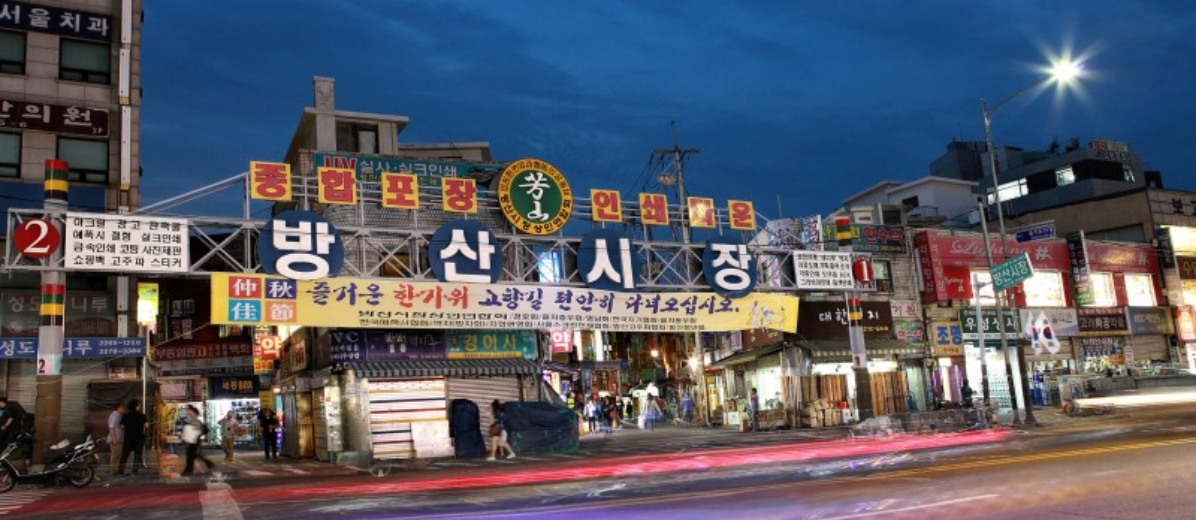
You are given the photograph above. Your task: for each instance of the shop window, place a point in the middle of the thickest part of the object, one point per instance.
(1065, 176)
(89, 62)
(12, 52)
(10, 155)
(1104, 295)
(1139, 290)
(87, 158)
(883, 272)
(1044, 289)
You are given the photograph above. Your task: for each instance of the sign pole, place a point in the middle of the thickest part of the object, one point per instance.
(855, 332)
(48, 407)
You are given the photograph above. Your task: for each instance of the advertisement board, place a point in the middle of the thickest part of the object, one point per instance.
(124, 243)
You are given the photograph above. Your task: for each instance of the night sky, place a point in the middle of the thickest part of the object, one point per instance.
(811, 101)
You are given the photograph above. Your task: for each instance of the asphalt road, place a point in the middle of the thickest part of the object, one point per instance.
(1134, 465)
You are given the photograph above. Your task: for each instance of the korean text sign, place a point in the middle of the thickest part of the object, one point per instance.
(349, 302)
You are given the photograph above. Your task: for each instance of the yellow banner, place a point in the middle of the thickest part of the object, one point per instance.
(396, 304)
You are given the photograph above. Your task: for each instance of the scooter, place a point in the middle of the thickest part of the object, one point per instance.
(74, 465)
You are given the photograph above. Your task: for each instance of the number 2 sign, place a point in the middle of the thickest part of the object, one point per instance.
(36, 238)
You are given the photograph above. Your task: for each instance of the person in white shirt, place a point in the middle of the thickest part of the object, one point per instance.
(116, 437)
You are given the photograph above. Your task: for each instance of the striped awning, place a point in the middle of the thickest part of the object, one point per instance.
(839, 350)
(446, 368)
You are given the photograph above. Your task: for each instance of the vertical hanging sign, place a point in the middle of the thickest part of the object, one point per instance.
(1077, 252)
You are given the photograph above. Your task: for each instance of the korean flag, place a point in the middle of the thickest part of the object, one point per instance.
(1046, 335)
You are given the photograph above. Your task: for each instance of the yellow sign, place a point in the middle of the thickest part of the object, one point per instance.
(147, 303)
(394, 304)
(535, 197)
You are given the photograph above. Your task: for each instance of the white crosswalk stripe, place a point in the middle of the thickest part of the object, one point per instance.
(14, 500)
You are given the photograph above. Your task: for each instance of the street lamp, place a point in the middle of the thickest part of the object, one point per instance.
(1062, 73)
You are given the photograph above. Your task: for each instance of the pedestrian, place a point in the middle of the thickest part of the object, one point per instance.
(592, 414)
(228, 434)
(194, 432)
(116, 438)
(269, 424)
(651, 412)
(687, 408)
(12, 421)
(607, 408)
(754, 410)
(628, 407)
(133, 428)
(966, 393)
(498, 433)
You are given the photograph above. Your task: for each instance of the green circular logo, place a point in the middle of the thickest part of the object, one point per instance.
(535, 197)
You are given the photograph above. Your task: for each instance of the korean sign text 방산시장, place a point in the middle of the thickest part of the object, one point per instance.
(349, 302)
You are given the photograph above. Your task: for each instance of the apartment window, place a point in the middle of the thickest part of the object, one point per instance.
(10, 155)
(1065, 176)
(12, 52)
(1139, 290)
(1104, 295)
(87, 158)
(357, 137)
(883, 273)
(84, 61)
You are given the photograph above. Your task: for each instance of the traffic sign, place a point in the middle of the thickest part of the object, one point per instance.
(36, 238)
(1039, 231)
(1012, 272)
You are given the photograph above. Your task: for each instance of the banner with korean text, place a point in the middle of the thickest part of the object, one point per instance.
(348, 302)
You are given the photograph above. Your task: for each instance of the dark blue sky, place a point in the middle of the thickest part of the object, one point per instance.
(811, 101)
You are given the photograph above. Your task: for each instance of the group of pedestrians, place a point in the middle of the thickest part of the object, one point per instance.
(603, 414)
(128, 429)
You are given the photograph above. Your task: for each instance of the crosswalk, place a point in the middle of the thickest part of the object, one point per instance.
(14, 500)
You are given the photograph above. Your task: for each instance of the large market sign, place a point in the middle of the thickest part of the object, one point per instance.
(535, 197)
(395, 304)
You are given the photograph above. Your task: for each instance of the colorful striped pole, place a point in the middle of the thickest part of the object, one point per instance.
(48, 408)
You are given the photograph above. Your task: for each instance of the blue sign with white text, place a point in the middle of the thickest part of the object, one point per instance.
(604, 259)
(26, 348)
(465, 251)
(300, 245)
(1031, 234)
(728, 266)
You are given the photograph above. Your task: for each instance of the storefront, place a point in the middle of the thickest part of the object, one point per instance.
(1105, 335)
(1055, 355)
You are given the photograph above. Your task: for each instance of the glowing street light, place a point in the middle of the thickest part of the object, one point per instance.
(1062, 72)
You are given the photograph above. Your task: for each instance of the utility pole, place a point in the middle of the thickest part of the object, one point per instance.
(679, 155)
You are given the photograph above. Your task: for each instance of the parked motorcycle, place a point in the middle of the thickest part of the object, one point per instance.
(74, 465)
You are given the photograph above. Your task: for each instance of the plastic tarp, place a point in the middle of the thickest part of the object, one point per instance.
(540, 428)
(465, 429)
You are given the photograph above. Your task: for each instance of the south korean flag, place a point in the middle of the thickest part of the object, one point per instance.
(1042, 335)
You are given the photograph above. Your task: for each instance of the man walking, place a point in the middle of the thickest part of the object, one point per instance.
(754, 410)
(116, 438)
(228, 435)
(269, 423)
(133, 425)
(194, 432)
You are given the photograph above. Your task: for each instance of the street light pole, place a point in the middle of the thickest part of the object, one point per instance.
(1061, 72)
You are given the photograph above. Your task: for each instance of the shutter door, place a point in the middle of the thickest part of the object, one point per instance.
(482, 391)
(22, 382)
(319, 423)
(406, 417)
(77, 373)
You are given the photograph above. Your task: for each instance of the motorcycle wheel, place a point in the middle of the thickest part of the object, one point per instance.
(79, 475)
(7, 480)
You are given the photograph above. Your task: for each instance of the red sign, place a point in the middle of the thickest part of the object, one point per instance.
(947, 259)
(267, 347)
(201, 351)
(562, 340)
(1118, 258)
(861, 269)
(36, 238)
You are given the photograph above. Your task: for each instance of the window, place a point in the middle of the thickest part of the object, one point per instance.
(12, 52)
(10, 155)
(356, 137)
(84, 61)
(88, 159)
(910, 202)
(1044, 289)
(1102, 289)
(1128, 172)
(1139, 290)
(1010, 190)
(883, 273)
(1065, 176)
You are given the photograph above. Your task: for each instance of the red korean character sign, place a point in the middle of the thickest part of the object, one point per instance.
(337, 185)
(607, 206)
(742, 215)
(701, 212)
(654, 209)
(270, 181)
(459, 195)
(400, 191)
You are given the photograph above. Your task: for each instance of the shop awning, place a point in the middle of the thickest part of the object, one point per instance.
(839, 350)
(447, 368)
(747, 356)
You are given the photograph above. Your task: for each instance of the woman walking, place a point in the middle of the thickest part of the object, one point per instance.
(593, 413)
(498, 433)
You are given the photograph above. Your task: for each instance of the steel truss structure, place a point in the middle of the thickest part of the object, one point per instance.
(373, 251)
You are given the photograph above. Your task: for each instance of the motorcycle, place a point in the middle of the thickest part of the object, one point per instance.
(74, 465)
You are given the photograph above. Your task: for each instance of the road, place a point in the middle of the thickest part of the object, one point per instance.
(1134, 465)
